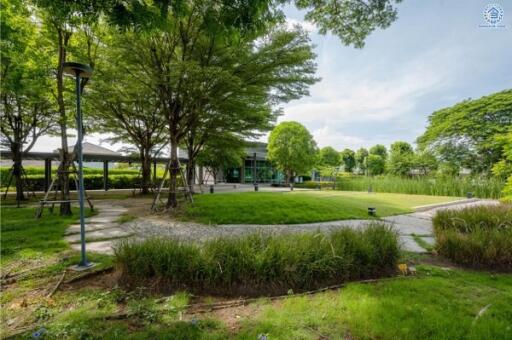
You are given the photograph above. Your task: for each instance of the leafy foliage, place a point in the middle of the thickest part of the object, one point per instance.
(467, 134)
(292, 148)
(349, 160)
(400, 158)
(329, 157)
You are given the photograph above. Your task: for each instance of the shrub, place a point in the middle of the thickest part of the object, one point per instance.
(476, 236)
(259, 263)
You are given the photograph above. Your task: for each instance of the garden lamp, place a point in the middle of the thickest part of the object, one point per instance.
(80, 71)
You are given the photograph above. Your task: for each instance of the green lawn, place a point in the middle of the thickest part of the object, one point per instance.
(300, 206)
(24, 237)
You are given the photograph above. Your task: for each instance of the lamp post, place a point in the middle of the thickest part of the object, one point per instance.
(80, 71)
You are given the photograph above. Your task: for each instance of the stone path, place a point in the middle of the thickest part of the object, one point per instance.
(103, 230)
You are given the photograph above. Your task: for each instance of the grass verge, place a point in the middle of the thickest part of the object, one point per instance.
(24, 237)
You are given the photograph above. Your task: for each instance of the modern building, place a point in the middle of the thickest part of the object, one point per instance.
(255, 168)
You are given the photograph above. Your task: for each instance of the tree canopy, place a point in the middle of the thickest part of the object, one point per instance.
(469, 131)
(292, 148)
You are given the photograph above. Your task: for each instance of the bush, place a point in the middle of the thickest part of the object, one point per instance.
(259, 263)
(444, 186)
(476, 236)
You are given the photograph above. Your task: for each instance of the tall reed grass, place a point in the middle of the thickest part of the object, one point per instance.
(259, 263)
(444, 186)
(476, 236)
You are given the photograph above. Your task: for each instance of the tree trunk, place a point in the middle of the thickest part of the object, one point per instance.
(172, 201)
(65, 208)
(17, 166)
(191, 167)
(145, 158)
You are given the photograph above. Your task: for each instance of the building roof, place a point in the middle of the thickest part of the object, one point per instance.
(89, 148)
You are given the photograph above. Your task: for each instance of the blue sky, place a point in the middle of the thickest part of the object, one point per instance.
(433, 56)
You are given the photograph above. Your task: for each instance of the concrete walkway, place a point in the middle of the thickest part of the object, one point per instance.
(103, 229)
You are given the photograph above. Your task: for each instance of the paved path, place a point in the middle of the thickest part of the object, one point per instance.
(104, 229)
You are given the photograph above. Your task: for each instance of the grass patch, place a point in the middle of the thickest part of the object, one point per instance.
(299, 207)
(476, 236)
(260, 263)
(24, 237)
(439, 304)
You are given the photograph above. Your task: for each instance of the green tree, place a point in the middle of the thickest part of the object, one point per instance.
(26, 102)
(379, 150)
(361, 156)
(425, 161)
(292, 149)
(348, 158)
(376, 164)
(475, 125)
(69, 29)
(222, 153)
(401, 159)
(329, 157)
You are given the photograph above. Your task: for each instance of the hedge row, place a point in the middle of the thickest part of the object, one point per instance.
(259, 263)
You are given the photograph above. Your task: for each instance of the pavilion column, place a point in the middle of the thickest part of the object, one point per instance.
(47, 173)
(105, 175)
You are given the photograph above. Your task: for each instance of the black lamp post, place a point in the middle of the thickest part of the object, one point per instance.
(80, 71)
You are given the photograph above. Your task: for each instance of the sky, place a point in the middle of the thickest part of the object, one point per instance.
(434, 55)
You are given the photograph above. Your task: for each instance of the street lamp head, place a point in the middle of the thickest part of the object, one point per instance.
(83, 70)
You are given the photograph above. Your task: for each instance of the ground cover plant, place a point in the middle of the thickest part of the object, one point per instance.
(260, 263)
(300, 206)
(476, 236)
(442, 186)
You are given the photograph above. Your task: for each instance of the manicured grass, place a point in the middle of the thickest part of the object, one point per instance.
(24, 237)
(300, 206)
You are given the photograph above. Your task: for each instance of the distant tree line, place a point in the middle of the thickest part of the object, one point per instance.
(474, 137)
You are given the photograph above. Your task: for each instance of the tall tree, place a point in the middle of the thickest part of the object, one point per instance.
(26, 104)
(348, 158)
(329, 157)
(292, 149)
(473, 125)
(401, 158)
(126, 108)
(379, 150)
(63, 21)
(361, 156)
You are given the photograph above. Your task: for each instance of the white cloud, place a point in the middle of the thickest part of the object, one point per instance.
(306, 25)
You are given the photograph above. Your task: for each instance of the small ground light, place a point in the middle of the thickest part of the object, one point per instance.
(469, 195)
(255, 186)
(211, 189)
(372, 211)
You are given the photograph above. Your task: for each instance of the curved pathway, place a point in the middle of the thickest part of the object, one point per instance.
(104, 230)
